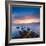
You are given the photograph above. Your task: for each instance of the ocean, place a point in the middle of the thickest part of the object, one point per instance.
(35, 27)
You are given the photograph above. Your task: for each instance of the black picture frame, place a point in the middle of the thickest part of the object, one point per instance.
(6, 37)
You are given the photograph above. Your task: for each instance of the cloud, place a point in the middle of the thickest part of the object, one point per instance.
(26, 20)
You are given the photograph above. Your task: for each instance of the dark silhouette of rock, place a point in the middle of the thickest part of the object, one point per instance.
(17, 27)
(26, 33)
(28, 29)
(34, 35)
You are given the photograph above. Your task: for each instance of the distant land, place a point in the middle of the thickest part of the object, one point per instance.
(27, 23)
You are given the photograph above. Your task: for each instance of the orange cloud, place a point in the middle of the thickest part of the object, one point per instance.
(25, 21)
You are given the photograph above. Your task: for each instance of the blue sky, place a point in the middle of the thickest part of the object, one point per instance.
(19, 12)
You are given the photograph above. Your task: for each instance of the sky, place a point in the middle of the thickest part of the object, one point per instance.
(22, 15)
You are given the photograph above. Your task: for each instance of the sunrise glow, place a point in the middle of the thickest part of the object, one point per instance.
(25, 21)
